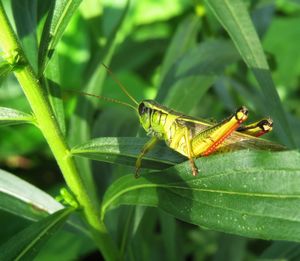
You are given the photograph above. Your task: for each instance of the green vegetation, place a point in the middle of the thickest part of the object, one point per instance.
(67, 186)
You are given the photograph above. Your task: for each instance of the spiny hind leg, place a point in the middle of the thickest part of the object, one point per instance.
(146, 148)
(207, 141)
(190, 154)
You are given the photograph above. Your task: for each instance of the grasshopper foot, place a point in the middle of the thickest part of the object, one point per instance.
(138, 165)
(195, 170)
(137, 173)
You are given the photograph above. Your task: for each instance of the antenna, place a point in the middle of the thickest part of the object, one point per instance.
(103, 98)
(119, 84)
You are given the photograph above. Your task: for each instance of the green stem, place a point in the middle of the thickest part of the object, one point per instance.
(49, 127)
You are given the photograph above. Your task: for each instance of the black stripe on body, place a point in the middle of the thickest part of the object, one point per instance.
(172, 131)
(158, 117)
(157, 120)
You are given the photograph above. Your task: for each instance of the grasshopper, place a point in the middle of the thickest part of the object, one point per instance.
(190, 136)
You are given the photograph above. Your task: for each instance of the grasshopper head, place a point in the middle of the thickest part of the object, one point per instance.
(145, 110)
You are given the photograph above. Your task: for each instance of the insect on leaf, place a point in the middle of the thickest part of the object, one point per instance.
(241, 193)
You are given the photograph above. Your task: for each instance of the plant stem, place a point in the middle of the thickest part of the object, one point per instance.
(49, 127)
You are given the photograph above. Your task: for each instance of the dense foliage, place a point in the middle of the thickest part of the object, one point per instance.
(67, 186)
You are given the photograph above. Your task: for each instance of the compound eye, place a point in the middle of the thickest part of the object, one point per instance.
(142, 108)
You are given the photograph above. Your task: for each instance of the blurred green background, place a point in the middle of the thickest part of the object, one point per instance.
(140, 51)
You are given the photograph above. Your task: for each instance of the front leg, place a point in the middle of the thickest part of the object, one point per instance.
(146, 148)
(190, 154)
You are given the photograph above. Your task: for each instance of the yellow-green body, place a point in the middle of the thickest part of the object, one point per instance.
(184, 134)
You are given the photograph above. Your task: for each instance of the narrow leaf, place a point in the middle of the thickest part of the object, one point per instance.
(235, 19)
(58, 18)
(186, 31)
(23, 199)
(56, 103)
(27, 201)
(80, 125)
(253, 194)
(10, 116)
(25, 18)
(125, 151)
(5, 69)
(26, 244)
(77, 246)
(194, 73)
(281, 251)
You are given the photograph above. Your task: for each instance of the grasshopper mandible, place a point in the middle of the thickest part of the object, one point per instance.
(187, 135)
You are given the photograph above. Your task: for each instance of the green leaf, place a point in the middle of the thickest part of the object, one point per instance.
(26, 244)
(149, 11)
(23, 199)
(80, 125)
(5, 69)
(189, 70)
(78, 246)
(25, 18)
(27, 201)
(55, 25)
(249, 193)
(125, 151)
(56, 102)
(10, 116)
(12, 136)
(231, 247)
(194, 73)
(187, 31)
(168, 227)
(281, 251)
(275, 42)
(52, 82)
(235, 19)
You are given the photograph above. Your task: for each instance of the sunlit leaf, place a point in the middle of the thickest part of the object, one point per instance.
(194, 73)
(58, 18)
(125, 151)
(27, 201)
(10, 116)
(187, 30)
(253, 194)
(5, 69)
(275, 42)
(235, 18)
(29, 136)
(23, 199)
(80, 125)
